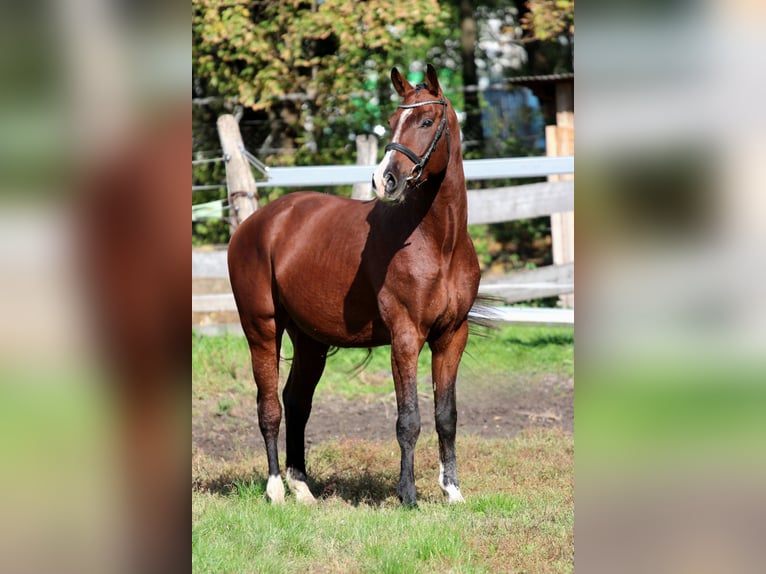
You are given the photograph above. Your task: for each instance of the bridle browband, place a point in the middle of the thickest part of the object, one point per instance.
(420, 161)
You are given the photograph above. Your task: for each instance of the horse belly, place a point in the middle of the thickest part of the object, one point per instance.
(330, 309)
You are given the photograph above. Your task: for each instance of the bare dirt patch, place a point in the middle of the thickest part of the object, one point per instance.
(488, 408)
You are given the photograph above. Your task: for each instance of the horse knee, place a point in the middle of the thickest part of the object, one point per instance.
(269, 417)
(446, 421)
(408, 427)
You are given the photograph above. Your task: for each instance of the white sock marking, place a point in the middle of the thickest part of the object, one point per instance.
(275, 489)
(300, 489)
(452, 491)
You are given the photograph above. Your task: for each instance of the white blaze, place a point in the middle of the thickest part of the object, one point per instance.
(380, 185)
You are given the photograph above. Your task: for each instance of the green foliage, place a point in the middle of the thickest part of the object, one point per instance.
(214, 231)
(548, 19)
(310, 66)
(513, 245)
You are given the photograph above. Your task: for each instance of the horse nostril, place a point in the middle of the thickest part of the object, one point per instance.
(374, 187)
(390, 182)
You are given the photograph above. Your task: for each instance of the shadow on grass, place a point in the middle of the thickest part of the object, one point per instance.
(229, 483)
(366, 488)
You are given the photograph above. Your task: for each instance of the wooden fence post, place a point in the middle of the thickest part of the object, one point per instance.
(366, 154)
(559, 140)
(240, 183)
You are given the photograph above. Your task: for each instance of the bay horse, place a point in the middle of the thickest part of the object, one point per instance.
(398, 270)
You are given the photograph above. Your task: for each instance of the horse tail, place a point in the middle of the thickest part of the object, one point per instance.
(362, 364)
(483, 315)
(356, 369)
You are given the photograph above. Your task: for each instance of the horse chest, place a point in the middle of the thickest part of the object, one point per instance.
(428, 290)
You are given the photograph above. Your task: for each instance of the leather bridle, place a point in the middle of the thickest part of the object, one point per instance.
(420, 161)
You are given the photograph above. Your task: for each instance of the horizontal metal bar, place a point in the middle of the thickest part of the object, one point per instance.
(208, 160)
(476, 169)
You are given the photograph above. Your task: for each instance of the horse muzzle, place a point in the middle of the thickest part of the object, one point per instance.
(389, 188)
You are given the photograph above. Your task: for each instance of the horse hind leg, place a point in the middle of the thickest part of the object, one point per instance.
(309, 358)
(264, 351)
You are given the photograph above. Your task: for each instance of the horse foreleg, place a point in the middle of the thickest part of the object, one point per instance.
(446, 353)
(405, 348)
(265, 358)
(309, 358)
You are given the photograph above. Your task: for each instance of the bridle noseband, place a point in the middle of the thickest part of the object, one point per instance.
(420, 161)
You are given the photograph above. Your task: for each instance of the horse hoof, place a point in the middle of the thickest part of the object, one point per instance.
(453, 494)
(408, 499)
(275, 490)
(300, 489)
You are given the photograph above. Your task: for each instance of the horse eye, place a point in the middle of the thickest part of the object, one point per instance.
(427, 123)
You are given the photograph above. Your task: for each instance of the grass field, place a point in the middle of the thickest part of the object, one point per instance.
(222, 363)
(519, 514)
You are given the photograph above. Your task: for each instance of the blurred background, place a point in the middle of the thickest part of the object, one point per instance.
(671, 317)
(94, 423)
(94, 120)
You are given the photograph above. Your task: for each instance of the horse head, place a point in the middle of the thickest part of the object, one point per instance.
(420, 144)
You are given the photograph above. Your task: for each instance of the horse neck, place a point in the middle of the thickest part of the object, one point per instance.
(447, 214)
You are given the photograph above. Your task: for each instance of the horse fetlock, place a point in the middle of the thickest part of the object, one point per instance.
(275, 489)
(449, 485)
(299, 487)
(407, 494)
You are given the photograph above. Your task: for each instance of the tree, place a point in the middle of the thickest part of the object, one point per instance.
(548, 27)
(311, 68)
(547, 20)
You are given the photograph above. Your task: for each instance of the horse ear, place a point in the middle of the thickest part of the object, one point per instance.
(432, 81)
(401, 85)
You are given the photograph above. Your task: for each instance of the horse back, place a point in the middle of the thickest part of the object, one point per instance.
(302, 255)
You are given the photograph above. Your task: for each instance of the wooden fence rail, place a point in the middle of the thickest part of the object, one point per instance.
(520, 201)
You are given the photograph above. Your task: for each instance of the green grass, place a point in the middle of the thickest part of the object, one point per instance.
(222, 363)
(519, 513)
